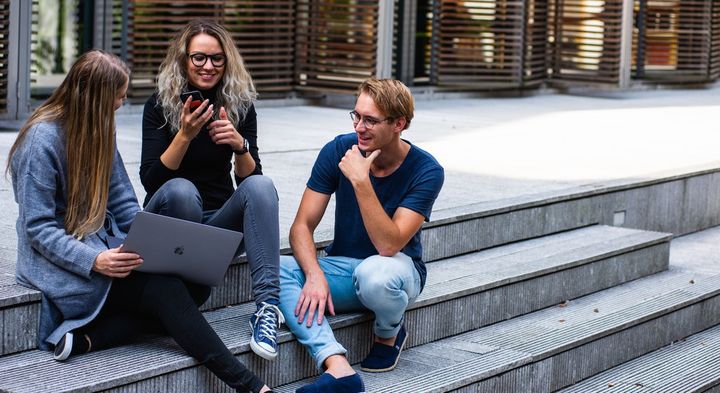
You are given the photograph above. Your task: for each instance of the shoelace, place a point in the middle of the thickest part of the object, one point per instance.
(270, 318)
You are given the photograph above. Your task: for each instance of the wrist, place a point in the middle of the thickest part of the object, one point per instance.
(244, 149)
(182, 137)
(360, 183)
(314, 274)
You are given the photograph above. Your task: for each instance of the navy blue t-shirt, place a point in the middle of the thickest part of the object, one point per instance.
(414, 185)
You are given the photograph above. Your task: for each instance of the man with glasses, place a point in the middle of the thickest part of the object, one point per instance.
(384, 190)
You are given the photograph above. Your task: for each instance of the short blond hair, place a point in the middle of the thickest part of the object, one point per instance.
(391, 96)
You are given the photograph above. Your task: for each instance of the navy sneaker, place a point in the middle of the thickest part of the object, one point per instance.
(264, 324)
(329, 384)
(384, 357)
(63, 349)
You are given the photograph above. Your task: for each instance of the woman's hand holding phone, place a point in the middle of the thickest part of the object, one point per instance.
(194, 119)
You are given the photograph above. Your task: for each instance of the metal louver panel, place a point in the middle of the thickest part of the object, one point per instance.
(586, 41)
(480, 43)
(262, 29)
(675, 39)
(336, 43)
(714, 69)
(34, 43)
(4, 52)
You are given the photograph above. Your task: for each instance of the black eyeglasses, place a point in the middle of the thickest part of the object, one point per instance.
(368, 122)
(199, 59)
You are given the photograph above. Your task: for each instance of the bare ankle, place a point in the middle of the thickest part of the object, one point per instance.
(338, 366)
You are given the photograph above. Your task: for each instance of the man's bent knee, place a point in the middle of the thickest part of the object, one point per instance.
(378, 278)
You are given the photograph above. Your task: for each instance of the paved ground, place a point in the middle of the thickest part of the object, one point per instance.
(492, 149)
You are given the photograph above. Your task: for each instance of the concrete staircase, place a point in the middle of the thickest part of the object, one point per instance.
(561, 345)
(534, 294)
(690, 365)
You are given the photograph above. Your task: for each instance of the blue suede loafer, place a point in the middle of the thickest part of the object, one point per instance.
(384, 357)
(329, 384)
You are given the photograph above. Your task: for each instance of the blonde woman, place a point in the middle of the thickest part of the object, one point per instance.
(193, 148)
(76, 203)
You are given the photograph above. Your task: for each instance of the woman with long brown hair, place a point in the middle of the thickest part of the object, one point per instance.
(76, 203)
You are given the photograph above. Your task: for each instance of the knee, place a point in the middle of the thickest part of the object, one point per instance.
(373, 278)
(379, 278)
(181, 199)
(259, 188)
(179, 188)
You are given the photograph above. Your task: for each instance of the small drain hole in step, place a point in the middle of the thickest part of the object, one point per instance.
(619, 218)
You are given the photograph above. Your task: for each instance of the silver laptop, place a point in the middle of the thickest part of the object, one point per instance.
(196, 252)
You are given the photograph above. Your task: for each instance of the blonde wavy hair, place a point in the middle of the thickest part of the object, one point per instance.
(236, 92)
(84, 107)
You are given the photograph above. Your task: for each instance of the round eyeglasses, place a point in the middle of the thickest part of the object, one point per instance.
(368, 121)
(199, 59)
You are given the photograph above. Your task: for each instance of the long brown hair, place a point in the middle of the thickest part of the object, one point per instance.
(236, 90)
(84, 107)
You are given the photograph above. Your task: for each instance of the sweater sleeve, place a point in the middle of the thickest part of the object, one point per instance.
(248, 130)
(153, 173)
(38, 182)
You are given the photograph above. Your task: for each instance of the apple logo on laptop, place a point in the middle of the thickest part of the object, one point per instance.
(179, 250)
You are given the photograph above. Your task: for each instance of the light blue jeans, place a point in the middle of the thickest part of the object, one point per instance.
(384, 285)
(252, 209)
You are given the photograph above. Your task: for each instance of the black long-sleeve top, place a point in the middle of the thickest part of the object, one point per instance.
(207, 165)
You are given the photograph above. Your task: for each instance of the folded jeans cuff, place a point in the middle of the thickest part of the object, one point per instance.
(327, 351)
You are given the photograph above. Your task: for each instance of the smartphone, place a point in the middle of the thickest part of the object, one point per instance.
(197, 98)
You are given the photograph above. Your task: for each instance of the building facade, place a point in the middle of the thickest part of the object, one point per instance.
(296, 48)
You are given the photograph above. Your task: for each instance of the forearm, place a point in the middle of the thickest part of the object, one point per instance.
(303, 247)
(244, 165)
(381, 229)
(60, 248)
(173, 155)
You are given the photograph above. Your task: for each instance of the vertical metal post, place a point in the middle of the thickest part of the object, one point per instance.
(524, 23)
(434, 39)
(102, 26)
(384, 39)
(626, 36)
(59, 66)
(641, 40)
(557, 39)
(406, 41)
(87, 22)
(18, 100)
(124, 33)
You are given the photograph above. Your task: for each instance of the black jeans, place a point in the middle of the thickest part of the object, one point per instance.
(158, 303)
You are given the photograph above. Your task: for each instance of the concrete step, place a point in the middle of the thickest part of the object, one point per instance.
(503, 282)
(676, 202)
(20, 306)
(553, 348)
(689, 365)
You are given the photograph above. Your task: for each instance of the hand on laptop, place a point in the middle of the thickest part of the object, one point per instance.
(116, 263)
